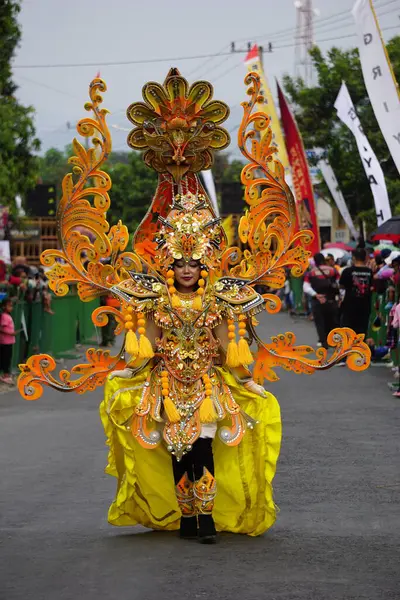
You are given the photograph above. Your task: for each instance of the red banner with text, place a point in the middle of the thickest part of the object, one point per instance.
(303, 189)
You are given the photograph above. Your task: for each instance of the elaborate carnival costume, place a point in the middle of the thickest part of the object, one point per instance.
(182, 375)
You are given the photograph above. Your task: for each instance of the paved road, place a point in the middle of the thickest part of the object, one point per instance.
(338, 488)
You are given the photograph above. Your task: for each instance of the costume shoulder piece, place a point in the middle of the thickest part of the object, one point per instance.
(139, 287)
(238, 295)
(178, 128)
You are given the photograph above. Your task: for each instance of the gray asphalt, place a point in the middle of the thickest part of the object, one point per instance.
(338, 489)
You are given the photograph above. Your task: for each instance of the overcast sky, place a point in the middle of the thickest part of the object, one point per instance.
(103, 31)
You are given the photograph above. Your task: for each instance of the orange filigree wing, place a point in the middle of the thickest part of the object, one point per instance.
(91, 255)
(86, 240)
(268, 229)
(37, 372)
(283, 353)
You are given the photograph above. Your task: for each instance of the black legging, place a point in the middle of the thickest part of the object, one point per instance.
(325, 318)
(193, 462)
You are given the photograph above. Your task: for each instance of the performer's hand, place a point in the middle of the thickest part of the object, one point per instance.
(124, 374)
(255, 388)
(321, 298)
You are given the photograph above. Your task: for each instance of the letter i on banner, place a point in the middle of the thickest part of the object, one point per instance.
(378, 75)
(373, 170)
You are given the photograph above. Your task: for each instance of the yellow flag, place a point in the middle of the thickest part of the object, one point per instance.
(253, 63)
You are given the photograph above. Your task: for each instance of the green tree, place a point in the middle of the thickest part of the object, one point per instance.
(233, 171)
(53, 165)
(133, 183)
(321, 128)
(225, 170)
(133, 187)
(18, 165)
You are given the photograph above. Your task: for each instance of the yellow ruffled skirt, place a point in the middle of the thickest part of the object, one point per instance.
(146, 492)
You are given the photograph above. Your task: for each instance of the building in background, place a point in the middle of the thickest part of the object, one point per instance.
(332, 227)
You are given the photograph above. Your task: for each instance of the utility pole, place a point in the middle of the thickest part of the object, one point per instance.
(245, 50)
(304, 39)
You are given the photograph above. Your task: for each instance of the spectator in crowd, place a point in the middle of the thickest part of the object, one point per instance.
(18, 279)
(321, 283)
(7, 340)
(382, 273)
(396, 272)
(378, 353)
(357, 283)
(331, 262)
(42, 290)
(3, 272)
(288, 294)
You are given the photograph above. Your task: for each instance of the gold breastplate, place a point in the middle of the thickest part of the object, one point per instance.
(188, 348)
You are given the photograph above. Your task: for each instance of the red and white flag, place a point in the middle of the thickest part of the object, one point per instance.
(303, 189)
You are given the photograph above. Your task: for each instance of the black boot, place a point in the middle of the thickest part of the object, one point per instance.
(188, 528)
(204, 490)
(207, 532)
(186, 501)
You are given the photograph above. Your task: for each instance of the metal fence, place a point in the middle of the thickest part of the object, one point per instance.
(55, 334)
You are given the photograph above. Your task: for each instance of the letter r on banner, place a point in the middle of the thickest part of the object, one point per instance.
(377, 72)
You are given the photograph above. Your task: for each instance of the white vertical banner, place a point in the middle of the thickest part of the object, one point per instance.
(337, 195)
(210, 188)
(379, 79)
(347, 113)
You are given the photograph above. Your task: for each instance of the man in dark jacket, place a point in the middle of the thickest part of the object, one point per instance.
(321, 283)
(357, 282)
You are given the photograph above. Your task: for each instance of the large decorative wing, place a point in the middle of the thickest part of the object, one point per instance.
(91, 254)
(282, 352)
(268, 230)
(272, 244)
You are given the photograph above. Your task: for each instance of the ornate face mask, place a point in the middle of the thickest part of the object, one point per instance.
(189, 233)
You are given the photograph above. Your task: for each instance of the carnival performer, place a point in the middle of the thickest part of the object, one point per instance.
(193, 436)
(191, 392)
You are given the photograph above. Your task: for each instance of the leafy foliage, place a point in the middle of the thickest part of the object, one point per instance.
(133, 187)
(321, 128)
(18, 165)
(133, 184)
(53, 165)
(226, 171)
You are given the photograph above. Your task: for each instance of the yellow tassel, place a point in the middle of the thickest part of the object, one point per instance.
(232, 355)
(131, 343)
(245, 355)
(207, 411)
(198, 303)
(145, 347)
(176, 303)
(172, 414)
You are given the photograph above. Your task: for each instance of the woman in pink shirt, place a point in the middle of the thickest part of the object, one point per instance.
(7, 340)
